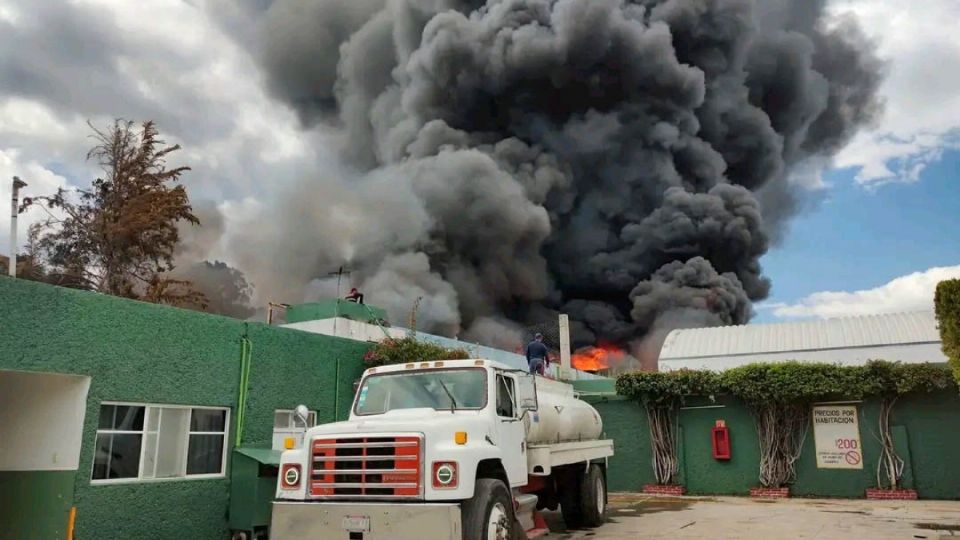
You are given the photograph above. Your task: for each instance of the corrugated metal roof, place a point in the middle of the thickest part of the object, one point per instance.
(869, 330)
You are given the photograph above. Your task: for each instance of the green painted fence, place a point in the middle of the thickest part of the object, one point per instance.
(926, 432)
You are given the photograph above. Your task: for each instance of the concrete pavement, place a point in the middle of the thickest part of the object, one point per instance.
(633, 516)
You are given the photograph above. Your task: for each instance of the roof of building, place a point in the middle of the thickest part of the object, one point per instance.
(846, 332)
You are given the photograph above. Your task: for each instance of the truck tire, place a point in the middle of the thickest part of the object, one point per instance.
(488, 515)
(593, 497)
(568, 492)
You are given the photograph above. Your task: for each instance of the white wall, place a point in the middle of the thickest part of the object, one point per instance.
(362, 331)
(347, 328)
(911, 353)
(41, 420)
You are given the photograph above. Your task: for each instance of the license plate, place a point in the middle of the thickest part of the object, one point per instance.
(356, 523)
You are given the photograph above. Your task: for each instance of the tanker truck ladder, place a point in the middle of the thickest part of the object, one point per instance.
(541, 458)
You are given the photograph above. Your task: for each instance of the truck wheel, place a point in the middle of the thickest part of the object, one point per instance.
(568, 491)
(593, 497)
(488, 515)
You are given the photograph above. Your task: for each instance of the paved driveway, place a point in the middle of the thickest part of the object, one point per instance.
(639, 516)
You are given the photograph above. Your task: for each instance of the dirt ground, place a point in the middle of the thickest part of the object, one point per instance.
(633, 516)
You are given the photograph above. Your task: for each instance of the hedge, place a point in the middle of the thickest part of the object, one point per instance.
(947, 304)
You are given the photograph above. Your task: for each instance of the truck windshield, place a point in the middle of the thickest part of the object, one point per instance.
(441, 389)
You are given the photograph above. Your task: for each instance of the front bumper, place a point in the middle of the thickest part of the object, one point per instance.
(387, 521)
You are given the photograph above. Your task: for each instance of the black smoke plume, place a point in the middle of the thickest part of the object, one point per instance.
(509, 160)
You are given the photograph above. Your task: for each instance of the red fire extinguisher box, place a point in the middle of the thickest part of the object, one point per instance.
(721, 441)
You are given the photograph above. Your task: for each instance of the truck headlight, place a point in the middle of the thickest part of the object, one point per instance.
(290, 476)
(445, 475)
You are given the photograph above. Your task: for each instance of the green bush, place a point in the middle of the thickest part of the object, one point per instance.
(794, 383)
(666, 388)
(407, 349)
(947, 304)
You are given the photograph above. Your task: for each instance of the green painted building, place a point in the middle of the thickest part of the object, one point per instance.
(129, 413)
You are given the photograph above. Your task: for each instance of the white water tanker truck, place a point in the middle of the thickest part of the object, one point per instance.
(446, 450)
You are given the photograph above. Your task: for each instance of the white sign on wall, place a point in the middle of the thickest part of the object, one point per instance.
(836, 432)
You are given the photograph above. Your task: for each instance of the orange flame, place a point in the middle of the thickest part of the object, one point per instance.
(596, 358)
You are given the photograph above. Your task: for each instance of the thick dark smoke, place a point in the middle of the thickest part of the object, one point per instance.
(510, 160)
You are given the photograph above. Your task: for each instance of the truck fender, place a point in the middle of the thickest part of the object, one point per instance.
(487, 464)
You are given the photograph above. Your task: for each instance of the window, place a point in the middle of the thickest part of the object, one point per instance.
(440, 389)
(285, 420)
(146, 442)
(505, 397)
(286, 425)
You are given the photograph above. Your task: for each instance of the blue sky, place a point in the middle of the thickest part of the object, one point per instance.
(863, 237)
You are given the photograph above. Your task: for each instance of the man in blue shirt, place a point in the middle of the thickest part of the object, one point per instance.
(537, 354)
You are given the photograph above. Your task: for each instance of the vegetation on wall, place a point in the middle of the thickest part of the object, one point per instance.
(780, 396)
(889, 381)
(407, 349)
(662, 394)
(947, 304)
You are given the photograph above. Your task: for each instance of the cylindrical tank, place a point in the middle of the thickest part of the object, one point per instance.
(560, 416)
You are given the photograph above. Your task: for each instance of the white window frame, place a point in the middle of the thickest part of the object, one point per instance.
(291, 412)
(139, 479)
(281, 433)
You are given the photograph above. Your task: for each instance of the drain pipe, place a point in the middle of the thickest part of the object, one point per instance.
(12, 264)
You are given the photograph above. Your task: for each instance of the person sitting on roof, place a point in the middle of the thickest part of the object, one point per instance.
(355, 296)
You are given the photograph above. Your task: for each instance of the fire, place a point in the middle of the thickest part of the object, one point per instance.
(597, 358)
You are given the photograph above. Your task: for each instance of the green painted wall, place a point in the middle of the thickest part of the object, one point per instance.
(626, 422)
(156, 354)
(35, 505)
(924, 427)
(334, 308)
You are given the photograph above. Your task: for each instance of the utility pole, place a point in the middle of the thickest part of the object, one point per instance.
(564, 323)
(336, 315)
(14, 210)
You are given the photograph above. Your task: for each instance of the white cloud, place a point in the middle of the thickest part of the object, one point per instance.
(912, 292)
(922, 115)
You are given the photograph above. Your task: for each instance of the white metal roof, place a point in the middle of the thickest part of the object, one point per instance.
(864, 331)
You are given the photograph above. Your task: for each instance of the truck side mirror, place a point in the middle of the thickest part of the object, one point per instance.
(527, 392)
(302, 414)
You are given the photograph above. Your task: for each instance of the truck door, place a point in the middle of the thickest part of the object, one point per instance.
(511, 431)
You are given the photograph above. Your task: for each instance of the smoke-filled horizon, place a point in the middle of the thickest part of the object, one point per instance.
(624, 162)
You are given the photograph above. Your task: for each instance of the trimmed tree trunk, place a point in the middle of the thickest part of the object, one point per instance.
(663, 437)
(890, 466)
(781, 430)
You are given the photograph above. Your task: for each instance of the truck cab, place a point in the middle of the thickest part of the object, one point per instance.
(459, 448)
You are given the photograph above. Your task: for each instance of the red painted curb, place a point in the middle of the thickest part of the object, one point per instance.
(770, 493)
(656, 489)
(892, 494)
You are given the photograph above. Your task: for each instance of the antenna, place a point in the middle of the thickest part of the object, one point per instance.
(339, 273)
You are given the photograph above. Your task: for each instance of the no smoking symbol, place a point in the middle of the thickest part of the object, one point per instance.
(853, 458)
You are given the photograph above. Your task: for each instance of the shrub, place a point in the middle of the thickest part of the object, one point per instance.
(407, 349)
(947, 304)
